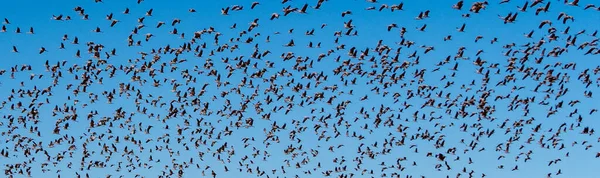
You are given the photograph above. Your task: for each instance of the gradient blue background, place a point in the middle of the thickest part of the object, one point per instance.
(371, 26)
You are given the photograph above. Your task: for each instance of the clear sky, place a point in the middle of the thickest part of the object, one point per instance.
(374, 76)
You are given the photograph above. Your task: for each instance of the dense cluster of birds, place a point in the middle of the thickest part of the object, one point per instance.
(219, 102)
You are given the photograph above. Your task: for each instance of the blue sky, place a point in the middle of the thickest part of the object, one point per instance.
(371, 27)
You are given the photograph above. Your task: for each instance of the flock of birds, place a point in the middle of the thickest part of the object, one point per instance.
(216, 102)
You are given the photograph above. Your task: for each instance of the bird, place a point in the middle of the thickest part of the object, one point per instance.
(58, 17)
(461, 28)
(42, 50)
(573, 3)
(113, 23)
(589, 6)
(274, 16)
(422, 28)
(544, 23)
(524, 7)
(391, 26)
(290, 44)
(303, 9)
(346, 13)
(254, 4)
(97, 30)
(149, 12)
(160, 23)
(225, 11)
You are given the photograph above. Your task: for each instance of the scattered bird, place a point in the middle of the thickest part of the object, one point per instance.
(42, 50)
(461, 28)
(574, 3)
